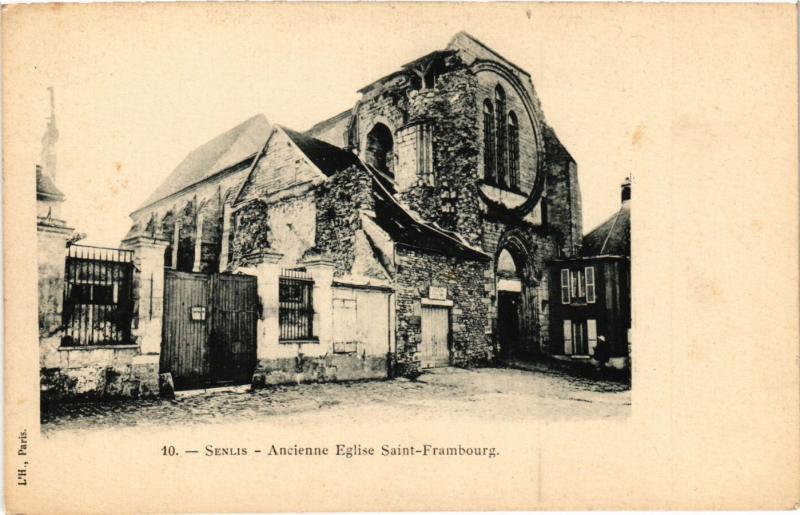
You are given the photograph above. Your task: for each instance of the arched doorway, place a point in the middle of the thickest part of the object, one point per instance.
(509, 293)
(516, 286)
(380, 149)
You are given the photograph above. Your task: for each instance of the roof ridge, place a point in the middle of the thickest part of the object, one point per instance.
(611, 230)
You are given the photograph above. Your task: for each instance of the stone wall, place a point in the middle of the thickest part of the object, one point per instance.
(334, 352)
(564, 214)
(417, 271)
(210, 194)
(100, 371)
(250, 230)
(339, 202)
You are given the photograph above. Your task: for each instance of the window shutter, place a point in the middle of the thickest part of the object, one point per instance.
(565, 286)
(567, 337)
(590, 290)
(591, 329)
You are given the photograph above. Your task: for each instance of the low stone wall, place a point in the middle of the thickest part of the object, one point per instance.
(93, 372)
(89, 373)
(329, 367)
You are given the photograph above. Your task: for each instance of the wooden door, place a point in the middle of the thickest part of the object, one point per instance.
(232, 340)
(508, 322)
(184, 349)
(209, 329)
(434, 347)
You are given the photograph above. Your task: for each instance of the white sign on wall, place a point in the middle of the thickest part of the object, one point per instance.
(437, 293)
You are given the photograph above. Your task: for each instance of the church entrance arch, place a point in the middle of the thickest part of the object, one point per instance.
(517, 330)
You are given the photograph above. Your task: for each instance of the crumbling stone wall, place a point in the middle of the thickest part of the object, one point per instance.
(251, 230)
(339, 201)
(211, 236)
(417, 271)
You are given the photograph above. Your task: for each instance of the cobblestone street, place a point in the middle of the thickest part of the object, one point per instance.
(487, 393)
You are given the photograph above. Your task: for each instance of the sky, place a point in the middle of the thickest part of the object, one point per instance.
(138, 87)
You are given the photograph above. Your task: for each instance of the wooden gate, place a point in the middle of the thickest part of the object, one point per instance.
(209, 332)
(434, 348)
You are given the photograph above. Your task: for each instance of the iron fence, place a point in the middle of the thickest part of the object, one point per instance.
(98, 296)
(296, 306)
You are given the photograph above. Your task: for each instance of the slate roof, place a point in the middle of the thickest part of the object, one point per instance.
(390, 216)
(223, 152)
(404, 228)
(328, 158)
(612, 237)
(45, 187)
(329, 123)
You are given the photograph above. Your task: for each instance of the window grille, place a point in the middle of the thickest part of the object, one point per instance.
(296, 306)
(98, 303)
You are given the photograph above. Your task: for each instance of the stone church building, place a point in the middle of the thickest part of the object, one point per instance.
(424, 215)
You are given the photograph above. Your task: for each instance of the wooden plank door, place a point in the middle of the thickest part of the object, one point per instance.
(184, 350)
(508, 322)
(232, 340)
(435, 351)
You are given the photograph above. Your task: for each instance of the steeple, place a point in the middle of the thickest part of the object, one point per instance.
(49, 139)
(48, 197)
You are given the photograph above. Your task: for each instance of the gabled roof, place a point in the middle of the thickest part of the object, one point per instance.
(612, 237)
(329, 123)
(45, 187)
(328, 158)
(223, 152)
(397, 222)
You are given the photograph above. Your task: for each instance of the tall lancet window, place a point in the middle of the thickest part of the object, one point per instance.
(488, 143)
(502, 135)
(513, 151)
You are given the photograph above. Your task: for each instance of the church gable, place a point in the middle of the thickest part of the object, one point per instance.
(280, 167)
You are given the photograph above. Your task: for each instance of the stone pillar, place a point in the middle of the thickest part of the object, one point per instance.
(176, 238)
(321, 270)
(149, 292)
(52, 242)
(198, 244)
(265, 267)
(226, 230)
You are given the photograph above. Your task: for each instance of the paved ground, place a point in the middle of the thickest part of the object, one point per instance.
(488, 393)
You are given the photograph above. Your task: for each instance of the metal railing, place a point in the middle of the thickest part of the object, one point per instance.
(98, 296)
(296, 305)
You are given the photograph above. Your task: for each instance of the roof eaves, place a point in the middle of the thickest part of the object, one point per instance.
(422, 223)
(299, 149)
(181, 191)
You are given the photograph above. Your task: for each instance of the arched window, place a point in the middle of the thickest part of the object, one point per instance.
(502, 141)
(488, 142)
(380, 149)
(513, 151)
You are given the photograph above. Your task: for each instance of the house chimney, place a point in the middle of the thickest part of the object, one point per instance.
(626, 189)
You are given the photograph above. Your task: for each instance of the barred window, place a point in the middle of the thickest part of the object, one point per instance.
(488, 142)
(296, 307)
